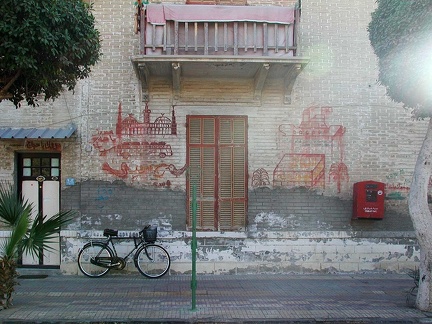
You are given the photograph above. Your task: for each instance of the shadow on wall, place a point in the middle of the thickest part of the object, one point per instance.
(301, 209)
(104, 204)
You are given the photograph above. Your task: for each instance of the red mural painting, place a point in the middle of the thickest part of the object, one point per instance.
(297, 170)
(131, 126)
(127, 149)
(260, 178)
(339, 174)
(152, 171)
(129, 140)
(43, 145)
(397, 185)
(306, 148)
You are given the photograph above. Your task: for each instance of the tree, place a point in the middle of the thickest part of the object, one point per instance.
(46, 46)
(401, 35)
(27, 235)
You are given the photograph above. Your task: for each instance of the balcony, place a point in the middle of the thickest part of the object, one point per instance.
(240, 47)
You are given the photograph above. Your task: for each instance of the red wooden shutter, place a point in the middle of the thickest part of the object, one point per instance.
(217, 160)
(232, 177)
(202, 167)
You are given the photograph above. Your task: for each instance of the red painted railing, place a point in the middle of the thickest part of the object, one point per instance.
(205, 30)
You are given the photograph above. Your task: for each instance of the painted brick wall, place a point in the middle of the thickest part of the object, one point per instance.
(114, 205)
(290, 228)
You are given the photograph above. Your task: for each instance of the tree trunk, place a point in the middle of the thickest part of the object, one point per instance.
(8, 275)
(4, 94)
(422, 219)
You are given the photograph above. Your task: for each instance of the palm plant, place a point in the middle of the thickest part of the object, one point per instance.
(27, 235)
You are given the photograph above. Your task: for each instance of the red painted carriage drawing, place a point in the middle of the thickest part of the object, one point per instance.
(308, 146)
(300, 170)
(128, 149)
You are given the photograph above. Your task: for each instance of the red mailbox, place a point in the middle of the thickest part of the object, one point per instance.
(368, 200)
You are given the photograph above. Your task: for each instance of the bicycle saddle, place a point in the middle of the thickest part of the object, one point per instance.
(110, 232)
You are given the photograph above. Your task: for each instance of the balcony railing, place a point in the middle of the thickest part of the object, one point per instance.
(218, 30)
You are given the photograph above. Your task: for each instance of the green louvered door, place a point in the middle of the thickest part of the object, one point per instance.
(217, 159)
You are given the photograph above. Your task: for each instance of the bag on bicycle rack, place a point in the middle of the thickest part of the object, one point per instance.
(149, 233)
(110, 232)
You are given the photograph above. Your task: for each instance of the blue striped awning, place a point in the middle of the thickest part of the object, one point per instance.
(34, 133)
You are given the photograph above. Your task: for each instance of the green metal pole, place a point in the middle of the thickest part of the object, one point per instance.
(194, 248)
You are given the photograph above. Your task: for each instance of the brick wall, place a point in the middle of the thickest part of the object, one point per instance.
(114, 205)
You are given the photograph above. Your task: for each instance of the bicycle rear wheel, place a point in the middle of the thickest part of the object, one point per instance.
(152, 260)
(94, 252)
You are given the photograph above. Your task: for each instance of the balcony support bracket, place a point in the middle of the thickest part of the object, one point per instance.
(176, 73)
(289, 81)
(259, 80)
(144, 76)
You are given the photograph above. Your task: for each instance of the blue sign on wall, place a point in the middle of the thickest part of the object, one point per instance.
(70, 182)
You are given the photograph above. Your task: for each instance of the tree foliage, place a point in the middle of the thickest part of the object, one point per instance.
(401, 35)
(46, 46)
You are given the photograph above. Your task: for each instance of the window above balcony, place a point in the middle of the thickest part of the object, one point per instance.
(251, 43)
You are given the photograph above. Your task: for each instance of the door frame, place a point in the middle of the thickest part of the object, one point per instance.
(20, 156)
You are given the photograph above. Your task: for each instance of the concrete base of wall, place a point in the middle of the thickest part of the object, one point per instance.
(272, 252)
(264, 252)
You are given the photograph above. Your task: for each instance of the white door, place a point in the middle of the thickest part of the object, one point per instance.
(40, 185)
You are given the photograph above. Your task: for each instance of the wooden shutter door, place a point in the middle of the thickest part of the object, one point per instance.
(202, 170)
(217, 160)
(232, 173)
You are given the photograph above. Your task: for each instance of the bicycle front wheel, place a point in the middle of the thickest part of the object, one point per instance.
(152, 260)
(92, 253)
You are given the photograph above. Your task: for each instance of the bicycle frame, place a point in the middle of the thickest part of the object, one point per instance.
(109, 243)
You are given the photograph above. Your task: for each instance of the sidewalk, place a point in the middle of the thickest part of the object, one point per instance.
(291, 298)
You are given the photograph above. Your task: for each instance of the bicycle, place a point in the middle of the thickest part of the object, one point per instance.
(97, 258)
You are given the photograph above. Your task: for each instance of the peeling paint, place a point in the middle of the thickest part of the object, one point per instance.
(324, 252)
(273, 220)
